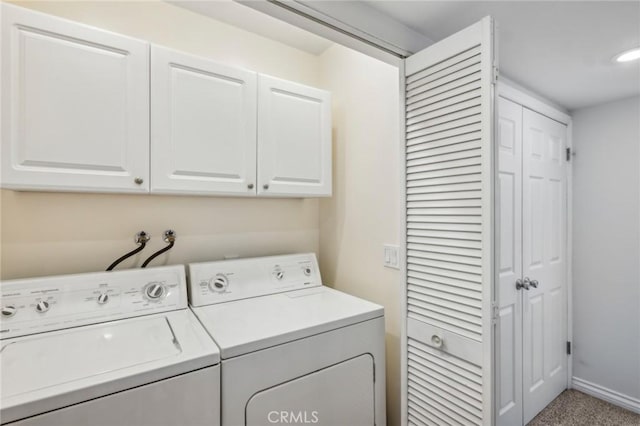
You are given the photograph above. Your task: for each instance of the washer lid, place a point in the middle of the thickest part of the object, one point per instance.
(249, 325)
(52, 370)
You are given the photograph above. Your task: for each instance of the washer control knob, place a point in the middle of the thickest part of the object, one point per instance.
(42, 306)
(219, 283)
(306, 270)
(154, 291)
(103, 298)
(279, 275)
(9, 311)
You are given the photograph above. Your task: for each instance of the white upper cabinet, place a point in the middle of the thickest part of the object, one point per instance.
(75, 106)
(92, 111)
(203, 126)
(294, 139)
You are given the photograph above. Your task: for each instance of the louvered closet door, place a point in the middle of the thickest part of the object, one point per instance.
(449, 220)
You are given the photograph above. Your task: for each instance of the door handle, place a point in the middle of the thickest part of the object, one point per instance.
(532, 283)
(522, 284)
(526, 283)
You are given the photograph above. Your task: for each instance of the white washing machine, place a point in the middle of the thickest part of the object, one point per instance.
(293, 351)
(108, 348)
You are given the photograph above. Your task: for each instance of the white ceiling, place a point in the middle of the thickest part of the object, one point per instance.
(240, 16)
(561, 49)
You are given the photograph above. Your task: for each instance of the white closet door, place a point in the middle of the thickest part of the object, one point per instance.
(449, 218)
(203, 126)
(544, 260)
(294, 139)
(75, 106)
(509, 320)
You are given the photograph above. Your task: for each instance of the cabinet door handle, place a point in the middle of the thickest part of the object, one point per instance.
(532, 283)
(138, 181)
(265, 186)
(250, 186)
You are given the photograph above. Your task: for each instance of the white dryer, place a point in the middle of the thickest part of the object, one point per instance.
(108, 348)
(293, 351)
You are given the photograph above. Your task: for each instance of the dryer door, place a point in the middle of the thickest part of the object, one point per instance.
(342, 394)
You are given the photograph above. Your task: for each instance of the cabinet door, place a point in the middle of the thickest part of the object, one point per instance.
(294, 139)
(203, 126)
(75, 106)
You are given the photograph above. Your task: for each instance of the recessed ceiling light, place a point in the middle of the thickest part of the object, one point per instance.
(629, 55)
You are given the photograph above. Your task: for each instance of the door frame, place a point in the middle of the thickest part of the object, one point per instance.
(511, 91)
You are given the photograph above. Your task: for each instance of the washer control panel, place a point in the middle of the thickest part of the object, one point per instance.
(35, 305)
(226, 280)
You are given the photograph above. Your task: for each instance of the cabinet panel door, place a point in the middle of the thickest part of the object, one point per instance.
(544, 235)
(508, 339)
(294, 139)
(75, 106)
(203, 126)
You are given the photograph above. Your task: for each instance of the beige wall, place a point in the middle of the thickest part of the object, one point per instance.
(54, 233)
(364, 211)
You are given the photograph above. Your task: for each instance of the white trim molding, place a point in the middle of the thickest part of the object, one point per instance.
(368, 30)
(606, 394)
(527, 99)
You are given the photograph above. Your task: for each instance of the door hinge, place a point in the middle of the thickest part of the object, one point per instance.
(569, 153)
(568, 348)
(495, 311)
(495, 73)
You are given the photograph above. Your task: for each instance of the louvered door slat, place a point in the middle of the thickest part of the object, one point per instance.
(442, 189)
(426, 292)
(468, 386)
(444, 138)
(443, 284)
(465, 260)
(438, 92)
(448, 388)
(428, 150)
(444, 80)
(448, 406)
(436, 68)
(437, 170)
(447, 307)
(443, 124)
(432, 114)
(463, 151)
(443, 97)
(448, 130)
(440, 104)
(461, 227)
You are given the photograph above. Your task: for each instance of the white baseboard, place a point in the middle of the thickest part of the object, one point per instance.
(606, 394)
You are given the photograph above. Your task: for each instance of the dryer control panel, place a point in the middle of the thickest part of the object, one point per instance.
(227, 280)
(51, 303)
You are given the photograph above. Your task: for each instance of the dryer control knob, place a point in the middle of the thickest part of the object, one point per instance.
(9, 311)
(42, 306)
(103, 298)
(154, 291)
(307, 270)
(219, 283)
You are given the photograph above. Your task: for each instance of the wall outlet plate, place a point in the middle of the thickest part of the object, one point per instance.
(391, 256)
